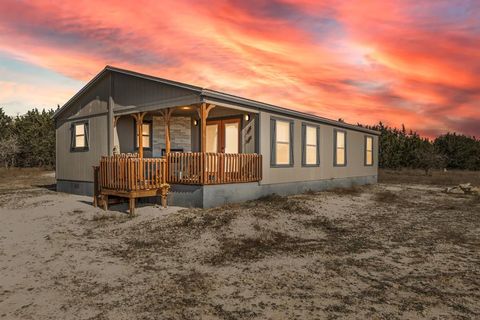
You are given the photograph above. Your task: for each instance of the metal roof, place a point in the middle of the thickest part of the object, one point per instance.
(204, 92)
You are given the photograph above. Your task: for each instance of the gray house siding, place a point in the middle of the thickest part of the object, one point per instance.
(139, 94)
(297, 173)
(74, 171)
(118, 93)
(92, 102)
(75, 168)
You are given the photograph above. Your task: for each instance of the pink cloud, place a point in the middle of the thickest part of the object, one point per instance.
(398, 62)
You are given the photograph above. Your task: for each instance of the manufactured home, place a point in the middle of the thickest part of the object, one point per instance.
(134, 135)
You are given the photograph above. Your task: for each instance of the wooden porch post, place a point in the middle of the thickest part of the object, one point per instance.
(139, 122)
(203, 112)
(116, 142)
(167, 114)
(110, 129)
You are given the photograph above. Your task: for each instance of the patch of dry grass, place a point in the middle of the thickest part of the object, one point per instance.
(387, 197)
(21, 172)
(328, 225)
(111, 217)
(286, 204)
(22, 178)
(350, 191)
(437, 177)
(264, 243)
(210, 218)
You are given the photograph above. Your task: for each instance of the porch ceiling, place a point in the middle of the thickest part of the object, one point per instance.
(187, 111)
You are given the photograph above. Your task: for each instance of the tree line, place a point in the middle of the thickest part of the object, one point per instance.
(401, 149)
(29, 141)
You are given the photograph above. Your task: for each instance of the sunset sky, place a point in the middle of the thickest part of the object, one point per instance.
(411, 62)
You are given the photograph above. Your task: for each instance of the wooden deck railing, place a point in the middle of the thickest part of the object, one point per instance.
(130, 173)
(213, 168)
(127, 173)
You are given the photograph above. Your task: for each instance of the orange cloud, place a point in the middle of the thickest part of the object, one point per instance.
(398, 62)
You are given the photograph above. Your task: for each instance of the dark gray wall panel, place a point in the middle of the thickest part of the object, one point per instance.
(132, 91)
(93, 102)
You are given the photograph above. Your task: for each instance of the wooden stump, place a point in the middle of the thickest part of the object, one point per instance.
(105, 202)
(131, 206)
(163, 193)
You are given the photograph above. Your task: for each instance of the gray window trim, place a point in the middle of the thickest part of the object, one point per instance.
(365, 151)
(304, 144)
(335, 148)
(73, 139)
(273, 142)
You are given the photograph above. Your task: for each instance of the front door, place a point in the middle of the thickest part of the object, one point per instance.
(223, 136)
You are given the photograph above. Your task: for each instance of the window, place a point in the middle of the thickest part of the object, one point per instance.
(368, 151)
(310, 145)
(79, 136)
(282, 142)
(146, 135)
(340, 155)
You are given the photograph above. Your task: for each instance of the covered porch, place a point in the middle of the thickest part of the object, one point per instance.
(199, 144)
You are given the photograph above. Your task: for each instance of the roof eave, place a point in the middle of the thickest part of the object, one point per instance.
(109, 68)
(274, 108)
(79, 93)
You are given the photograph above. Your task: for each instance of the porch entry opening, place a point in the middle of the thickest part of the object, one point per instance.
(223, 136)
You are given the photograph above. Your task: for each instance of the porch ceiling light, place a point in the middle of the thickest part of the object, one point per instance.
(185, 108)
(247, 117)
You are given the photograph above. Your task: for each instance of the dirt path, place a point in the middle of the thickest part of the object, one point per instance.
(378, 252)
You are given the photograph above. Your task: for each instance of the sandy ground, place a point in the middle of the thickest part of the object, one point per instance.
(389, 251)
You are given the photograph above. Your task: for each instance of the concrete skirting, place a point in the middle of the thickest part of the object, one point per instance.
(83, 188)
(217, 195)
(186, 196)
